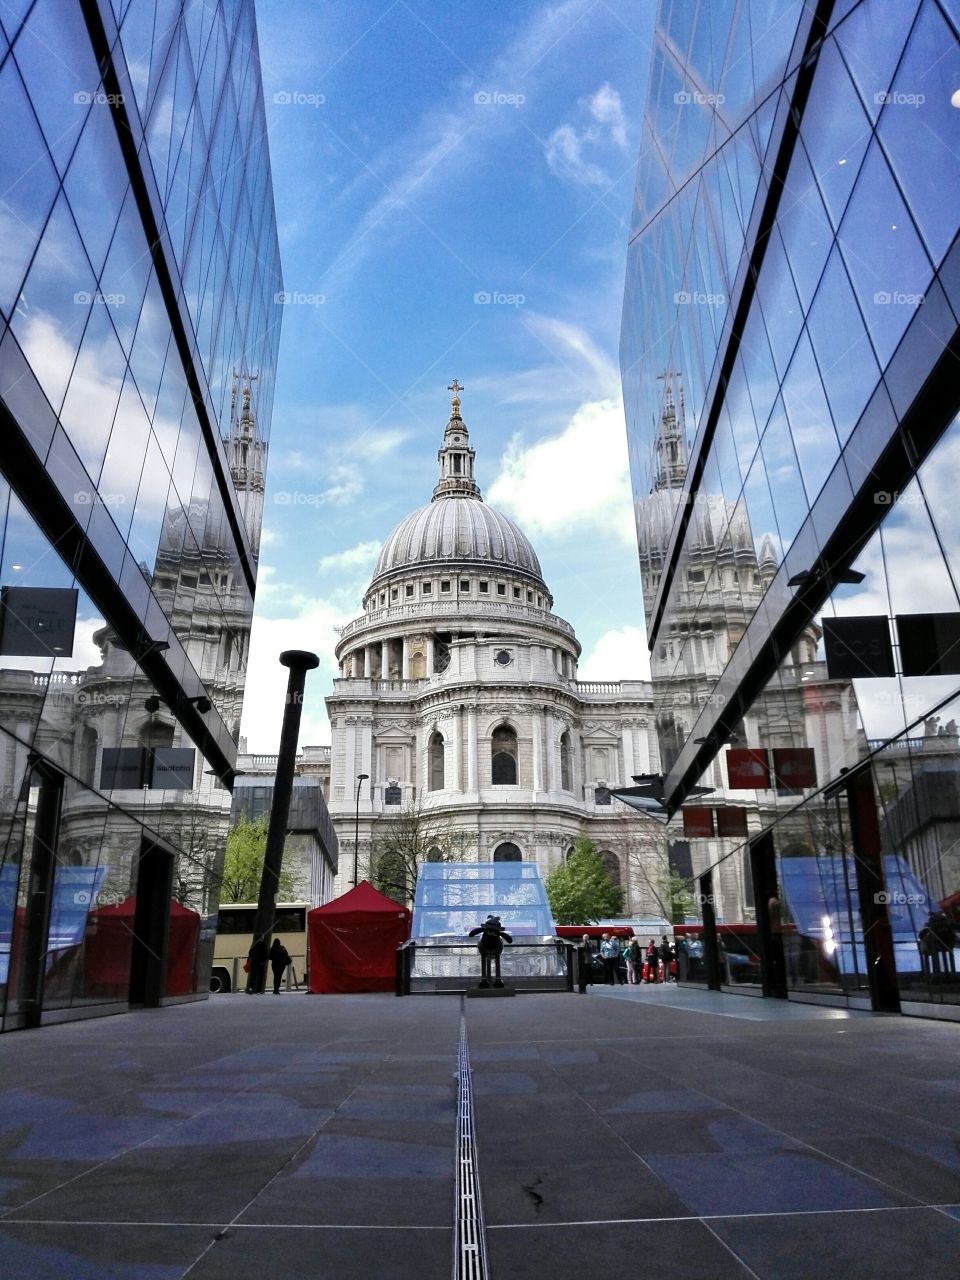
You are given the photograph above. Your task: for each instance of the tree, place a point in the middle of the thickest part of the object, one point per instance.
(243, 863)
(408, 839)
(580, 890)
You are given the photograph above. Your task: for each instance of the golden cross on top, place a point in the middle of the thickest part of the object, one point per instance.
(456, 388)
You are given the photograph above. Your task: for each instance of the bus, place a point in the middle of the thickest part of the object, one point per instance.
(235, 933)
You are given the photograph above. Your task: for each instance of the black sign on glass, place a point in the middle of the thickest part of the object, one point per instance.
(391, 795)
(38, 622)
(929, 643)
(122, 768)
(172, 768)
(858, 648)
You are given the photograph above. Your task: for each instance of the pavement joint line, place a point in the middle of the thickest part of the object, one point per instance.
(722, 1217)
(470, 1251)
(218, 1226)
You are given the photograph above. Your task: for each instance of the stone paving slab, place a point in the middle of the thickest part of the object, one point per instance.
(681, 1131)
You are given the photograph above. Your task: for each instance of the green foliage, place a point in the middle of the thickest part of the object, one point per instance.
(676, 896)
(580, 890)
(243, 864)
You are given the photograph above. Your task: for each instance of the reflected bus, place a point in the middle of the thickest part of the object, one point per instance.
(234, 935)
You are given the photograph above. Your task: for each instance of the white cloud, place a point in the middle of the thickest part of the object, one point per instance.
(572, 483)
(345, 484)
(620, 654)
(311, 628)
(568, 148)
(359, 557)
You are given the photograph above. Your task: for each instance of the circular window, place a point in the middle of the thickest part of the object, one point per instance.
(502, 658)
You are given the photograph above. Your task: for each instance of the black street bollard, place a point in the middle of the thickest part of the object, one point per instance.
(300, 662)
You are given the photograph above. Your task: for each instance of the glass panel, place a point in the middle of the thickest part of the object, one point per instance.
(884, 257)
(918, 128)
(811, 425)
(57, 297)
(843, 350)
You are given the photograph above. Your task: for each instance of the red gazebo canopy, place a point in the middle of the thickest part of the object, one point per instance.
(353, 941)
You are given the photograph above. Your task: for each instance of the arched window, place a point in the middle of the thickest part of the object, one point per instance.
(507, 853)
(566, 775)
(156, 733)
(611, 865)
(435, 771)
(503, 747)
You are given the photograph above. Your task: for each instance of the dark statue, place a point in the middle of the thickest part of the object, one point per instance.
(492, 937)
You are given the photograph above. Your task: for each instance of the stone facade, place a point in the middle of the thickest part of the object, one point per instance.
(458, 693)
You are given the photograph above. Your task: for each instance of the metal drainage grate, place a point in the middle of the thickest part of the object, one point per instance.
(470, 1250)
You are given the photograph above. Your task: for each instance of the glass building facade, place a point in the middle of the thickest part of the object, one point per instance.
(139, 323)
(789, 357)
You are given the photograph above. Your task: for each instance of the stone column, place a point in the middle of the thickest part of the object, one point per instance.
(356, 669)
(628, 769)
(536, 721)
(367, 671)
(430, 657)
(471, 749)
(455, 738)
(549, 755)
(384, 659)
(405, 665)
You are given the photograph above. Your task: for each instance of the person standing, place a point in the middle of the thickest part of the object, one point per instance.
(653, 961)
(610, 951)
(279, 959)
(585, 961)
(634, 962)
(257, 967)
(666, 955)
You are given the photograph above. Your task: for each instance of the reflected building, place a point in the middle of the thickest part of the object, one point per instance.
(799, 540)
(139, 305)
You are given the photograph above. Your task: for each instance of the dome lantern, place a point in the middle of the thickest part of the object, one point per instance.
(455, 456)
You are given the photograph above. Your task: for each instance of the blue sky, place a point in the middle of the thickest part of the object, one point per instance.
(428, 156)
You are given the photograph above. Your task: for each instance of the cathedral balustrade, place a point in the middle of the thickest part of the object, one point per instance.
(606, 687)
(462, 609)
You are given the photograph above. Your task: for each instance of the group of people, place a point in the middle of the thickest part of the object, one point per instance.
(626, 960)
(258, 957)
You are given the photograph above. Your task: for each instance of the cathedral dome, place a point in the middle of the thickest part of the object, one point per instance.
(457, 530)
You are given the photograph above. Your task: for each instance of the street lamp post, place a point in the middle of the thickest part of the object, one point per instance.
(361, 778)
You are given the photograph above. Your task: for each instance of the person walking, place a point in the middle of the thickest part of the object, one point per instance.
(610, 951)
(279, 959)
(585, 961)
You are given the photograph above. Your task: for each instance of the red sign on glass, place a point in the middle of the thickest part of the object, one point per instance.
(795, 768)
(747, 769)
(731, 822)
(697, 822)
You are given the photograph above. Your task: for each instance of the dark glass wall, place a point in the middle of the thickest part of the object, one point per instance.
(139, 324)
(788, 353)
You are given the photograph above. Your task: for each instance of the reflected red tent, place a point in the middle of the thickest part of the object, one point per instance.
(109, 944)
(353, 941)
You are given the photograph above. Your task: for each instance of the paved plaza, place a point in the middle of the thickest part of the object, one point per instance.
(673, 1132)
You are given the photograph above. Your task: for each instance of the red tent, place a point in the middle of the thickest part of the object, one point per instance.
(353, 941)
(109, 944)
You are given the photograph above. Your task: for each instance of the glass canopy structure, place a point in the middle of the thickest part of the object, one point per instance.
(454, 897)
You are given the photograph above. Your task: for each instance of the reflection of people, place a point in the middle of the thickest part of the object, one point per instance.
(257, 967)
(279, 959)
(936, 940)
